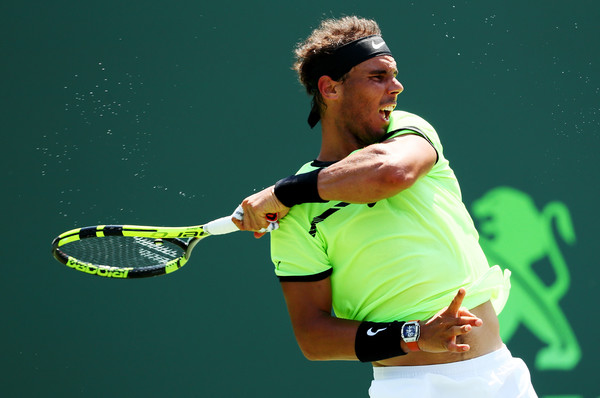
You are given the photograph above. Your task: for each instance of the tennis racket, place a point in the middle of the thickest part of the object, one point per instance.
(136, 251)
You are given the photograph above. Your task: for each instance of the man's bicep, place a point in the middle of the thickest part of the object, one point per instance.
(414, 151)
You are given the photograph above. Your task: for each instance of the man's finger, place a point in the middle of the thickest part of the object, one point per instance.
(470, 320)
(238, 223)
(458, 330)
(463, 311)
(453, 347)
(454, 306)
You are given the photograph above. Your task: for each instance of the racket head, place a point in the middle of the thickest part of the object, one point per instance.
(125, 252)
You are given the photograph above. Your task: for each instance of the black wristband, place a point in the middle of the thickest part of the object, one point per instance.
(376, 341)
(298, 189)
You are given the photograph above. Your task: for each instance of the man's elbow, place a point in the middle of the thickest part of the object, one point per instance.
(394, 179)
(311, 352)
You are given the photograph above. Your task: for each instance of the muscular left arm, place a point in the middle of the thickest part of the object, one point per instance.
(374, 173)
(378, 171)
(322, 336)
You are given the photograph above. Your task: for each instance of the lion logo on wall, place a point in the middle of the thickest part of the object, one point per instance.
(515, 235)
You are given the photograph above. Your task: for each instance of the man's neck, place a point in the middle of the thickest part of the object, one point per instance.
(336, 144)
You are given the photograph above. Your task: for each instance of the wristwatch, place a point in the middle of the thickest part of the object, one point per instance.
(410, 333)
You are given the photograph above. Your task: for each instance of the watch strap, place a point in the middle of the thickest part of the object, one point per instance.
(413, 346)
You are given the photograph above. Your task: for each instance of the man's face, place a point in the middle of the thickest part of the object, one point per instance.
(368, 96)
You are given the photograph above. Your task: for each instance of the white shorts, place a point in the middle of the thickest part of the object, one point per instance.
(496, 374)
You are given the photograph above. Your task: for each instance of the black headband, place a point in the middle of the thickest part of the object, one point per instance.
(344, 58)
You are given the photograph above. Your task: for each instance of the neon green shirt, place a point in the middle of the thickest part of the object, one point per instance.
(401, 258)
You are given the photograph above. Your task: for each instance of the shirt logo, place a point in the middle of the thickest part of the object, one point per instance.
(372, 332)
(377, 46)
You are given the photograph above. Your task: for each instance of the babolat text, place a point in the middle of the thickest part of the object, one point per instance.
(92, 269)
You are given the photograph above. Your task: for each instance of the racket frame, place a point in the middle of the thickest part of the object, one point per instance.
(184, 237)
(174, 235)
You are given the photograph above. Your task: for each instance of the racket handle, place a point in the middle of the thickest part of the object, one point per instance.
(271, 218)
(225, 225)
(220, 226)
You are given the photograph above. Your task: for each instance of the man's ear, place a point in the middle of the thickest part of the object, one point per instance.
(328, 87)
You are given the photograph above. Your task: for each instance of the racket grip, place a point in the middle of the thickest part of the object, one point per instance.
(220, 226)
(273, 225)
(271, 217)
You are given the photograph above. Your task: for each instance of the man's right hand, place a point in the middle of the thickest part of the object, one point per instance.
(256, 207)
(439, 333)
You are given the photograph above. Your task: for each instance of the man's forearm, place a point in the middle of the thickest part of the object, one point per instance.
(327, 338)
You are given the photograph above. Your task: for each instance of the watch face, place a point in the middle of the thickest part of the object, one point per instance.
(410, 331)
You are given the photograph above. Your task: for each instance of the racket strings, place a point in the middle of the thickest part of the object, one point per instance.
(123, 251)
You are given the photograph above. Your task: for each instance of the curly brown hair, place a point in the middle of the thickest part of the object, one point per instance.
(331, 34)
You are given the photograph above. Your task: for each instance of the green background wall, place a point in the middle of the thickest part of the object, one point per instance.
(172, 112)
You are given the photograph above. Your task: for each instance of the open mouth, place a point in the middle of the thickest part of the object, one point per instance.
(386, 111)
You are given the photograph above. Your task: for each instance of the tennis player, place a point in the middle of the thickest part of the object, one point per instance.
(375, 228)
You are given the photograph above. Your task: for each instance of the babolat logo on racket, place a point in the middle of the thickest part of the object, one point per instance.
(109, 272)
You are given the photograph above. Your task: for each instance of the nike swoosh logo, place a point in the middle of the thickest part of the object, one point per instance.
(372, 332)
(377, 46)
